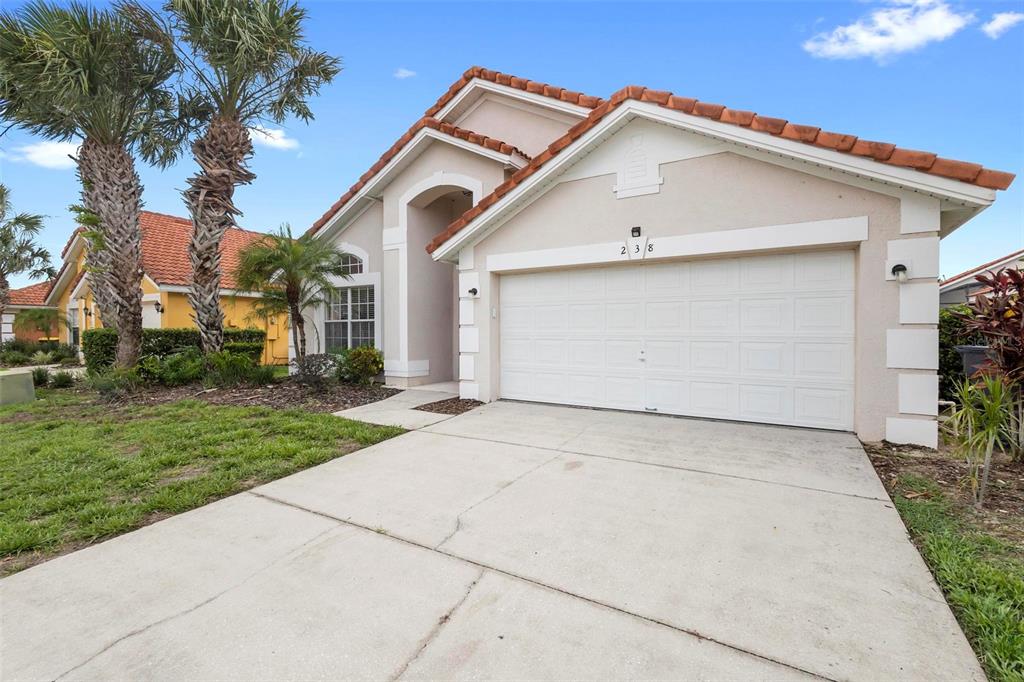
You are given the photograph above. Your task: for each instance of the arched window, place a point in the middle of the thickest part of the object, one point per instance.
(353, 265)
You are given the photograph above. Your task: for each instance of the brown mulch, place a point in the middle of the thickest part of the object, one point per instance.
(450, 406)
(1003, 512)
(285, 394)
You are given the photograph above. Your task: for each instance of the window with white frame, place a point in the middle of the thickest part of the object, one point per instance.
(350, 317)
(351, 265)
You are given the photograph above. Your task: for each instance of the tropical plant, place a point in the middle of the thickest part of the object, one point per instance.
(45, 321)
(40, 377)
(980, 420)
(291, 276)
(62, 379)
(246, 61)
(19, 252)
(360, 365)
(952, 334)
(998, 316)
(74, 73)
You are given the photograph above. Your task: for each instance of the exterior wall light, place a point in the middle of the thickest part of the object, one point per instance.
(159, 307)
(473, 292)
(899, 271)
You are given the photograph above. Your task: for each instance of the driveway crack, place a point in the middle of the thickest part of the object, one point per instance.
(458, 517)
(195, 607)
(436, 630)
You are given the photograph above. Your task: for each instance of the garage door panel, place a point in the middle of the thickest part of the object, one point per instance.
(766, 338)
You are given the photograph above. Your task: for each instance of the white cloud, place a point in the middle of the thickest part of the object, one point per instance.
(273, 137)
(401, 73)
(1001, 22)
(901, 26)
(47, 154)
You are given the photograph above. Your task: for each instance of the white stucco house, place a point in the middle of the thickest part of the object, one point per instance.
(963, 287)
(655, 253)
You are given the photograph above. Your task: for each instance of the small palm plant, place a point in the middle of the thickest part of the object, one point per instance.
(982, 418)
(19, 252)
(246, 61)
(291, 276)
(43, 321)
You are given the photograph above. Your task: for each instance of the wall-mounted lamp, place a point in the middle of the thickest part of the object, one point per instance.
(473, 292)
(158, 307)
(899, 271)
(88, 313)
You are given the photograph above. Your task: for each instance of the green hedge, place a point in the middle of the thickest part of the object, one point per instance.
(253, 349)
(99, 346)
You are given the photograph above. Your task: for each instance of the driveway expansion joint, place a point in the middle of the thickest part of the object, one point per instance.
(515, 576)
(665, 466)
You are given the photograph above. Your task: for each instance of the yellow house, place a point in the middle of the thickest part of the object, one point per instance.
(167, 270)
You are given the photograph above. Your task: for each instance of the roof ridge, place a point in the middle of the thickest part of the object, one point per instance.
(883, 152)
(979, 268)
(534, 87)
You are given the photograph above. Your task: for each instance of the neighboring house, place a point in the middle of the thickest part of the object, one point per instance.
(165, 285)
(32, 296)
(963, 287)
(654, 253)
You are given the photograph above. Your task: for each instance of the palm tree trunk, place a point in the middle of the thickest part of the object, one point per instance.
(5, 296)
(113, 192)
(222, 153)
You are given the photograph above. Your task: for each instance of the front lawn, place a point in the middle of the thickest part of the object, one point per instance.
(976, 556)
(74, 470)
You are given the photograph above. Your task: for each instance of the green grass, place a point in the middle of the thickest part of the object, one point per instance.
(982, 577)
(280, 371)
(72, 471)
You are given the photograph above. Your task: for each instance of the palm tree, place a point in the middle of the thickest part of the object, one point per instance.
(291, 276)
(46, 321)
(19, 252)
(73, 72)
(247, 62)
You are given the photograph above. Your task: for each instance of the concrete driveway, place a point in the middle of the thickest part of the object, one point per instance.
(515, 541)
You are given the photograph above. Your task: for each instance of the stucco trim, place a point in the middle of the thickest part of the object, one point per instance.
(767, 238)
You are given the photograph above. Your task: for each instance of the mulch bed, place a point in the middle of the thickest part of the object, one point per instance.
(450, 406)
(283, 395)
(1003, 512)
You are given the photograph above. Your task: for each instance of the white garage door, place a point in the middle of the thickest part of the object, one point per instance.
(759, 338)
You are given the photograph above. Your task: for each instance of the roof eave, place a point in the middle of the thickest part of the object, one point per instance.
(963, 194)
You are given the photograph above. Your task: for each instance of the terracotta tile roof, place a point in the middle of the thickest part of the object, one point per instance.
(982, 268)
(883, 152)
(165, 241)
(385, 158)
(33, 294)
(534, 87)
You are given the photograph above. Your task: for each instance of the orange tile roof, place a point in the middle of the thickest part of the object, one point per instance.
(33, 294)
(165, 240)
(884, 152)
(385, 158)
(981, 268)
(534, 87)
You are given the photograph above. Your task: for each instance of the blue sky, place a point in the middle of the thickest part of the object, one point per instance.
(933, 75)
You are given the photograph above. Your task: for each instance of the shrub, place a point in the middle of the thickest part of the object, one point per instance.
(40, 377)
(360, 365)
(69, 362)
(42, 357)
(100, 345)
(253, 349)
(315, 368)
(182, 368)
(14, 358)
(114, 384)
(230, 369)
(62, 379)
(63, 351)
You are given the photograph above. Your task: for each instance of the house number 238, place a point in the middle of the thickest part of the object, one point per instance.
(636, 249)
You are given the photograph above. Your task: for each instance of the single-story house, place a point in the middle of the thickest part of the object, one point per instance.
(964, 287)
(25, 298)
(167, 271)
(656, 253)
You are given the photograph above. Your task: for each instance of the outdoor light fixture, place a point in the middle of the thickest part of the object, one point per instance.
(159, 307)
(472, 292)
(634, 231)
(899, 271)
(88, 313)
